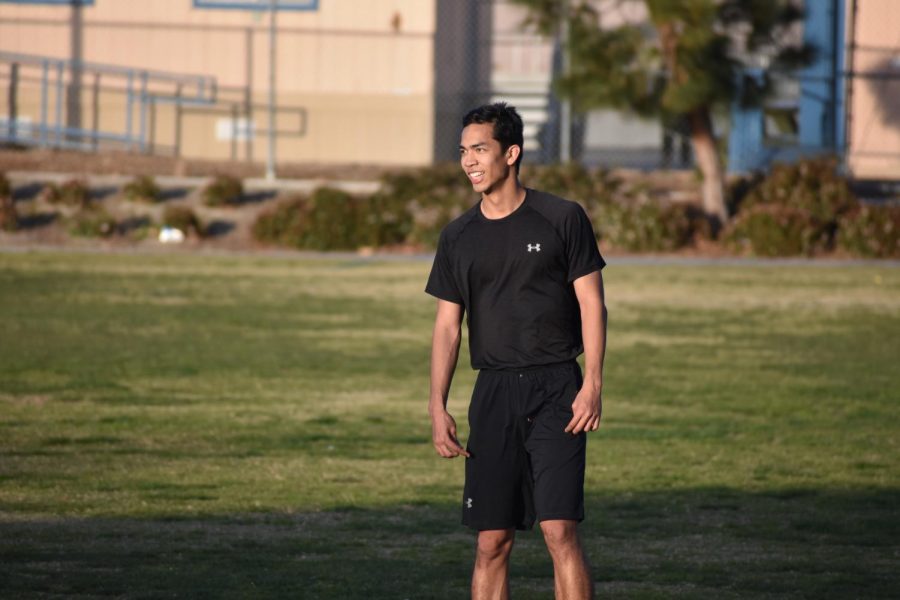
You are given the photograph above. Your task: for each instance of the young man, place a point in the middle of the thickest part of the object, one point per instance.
(524, 266)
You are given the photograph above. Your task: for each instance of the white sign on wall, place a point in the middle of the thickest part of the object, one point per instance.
(234, 129)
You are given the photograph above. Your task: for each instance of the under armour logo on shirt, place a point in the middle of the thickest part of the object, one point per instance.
(468, 503)
(535, 247)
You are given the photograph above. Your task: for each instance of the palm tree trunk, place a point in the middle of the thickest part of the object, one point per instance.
(707, 155)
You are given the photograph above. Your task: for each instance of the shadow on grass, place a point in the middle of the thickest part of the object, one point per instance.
(131, 224)
(715, 543)
(257, 197)
(37, 220)
(99, 193)
(219, 228)
(176, 193)
(29, 191)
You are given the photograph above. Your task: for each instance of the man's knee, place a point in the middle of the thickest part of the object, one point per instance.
(495, 544)
(560, 535)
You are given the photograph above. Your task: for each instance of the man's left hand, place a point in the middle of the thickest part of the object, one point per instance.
(586, 411)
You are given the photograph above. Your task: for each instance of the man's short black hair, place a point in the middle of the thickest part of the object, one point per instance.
(506, 121)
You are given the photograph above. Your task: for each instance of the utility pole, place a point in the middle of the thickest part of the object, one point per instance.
(565, 107)
(76, 56)
(270, 157)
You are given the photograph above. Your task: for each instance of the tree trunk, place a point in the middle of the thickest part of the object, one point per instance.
(707, 155)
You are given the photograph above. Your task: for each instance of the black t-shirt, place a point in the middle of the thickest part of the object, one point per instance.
(514, 278)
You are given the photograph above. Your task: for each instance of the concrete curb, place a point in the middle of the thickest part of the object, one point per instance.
(612, 261)
(166, 181)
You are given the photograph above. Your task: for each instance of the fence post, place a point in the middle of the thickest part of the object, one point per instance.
(129, 109)
(13, 96)
(234, 131)
(248, 95)
(59, 101)
(44, 84)
(152, 132)
(95, 112)
(143, 113)
(178, 120)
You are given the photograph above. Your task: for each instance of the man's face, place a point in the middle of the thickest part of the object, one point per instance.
(481, 157)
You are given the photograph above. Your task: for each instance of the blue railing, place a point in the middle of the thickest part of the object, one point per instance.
(142, 88)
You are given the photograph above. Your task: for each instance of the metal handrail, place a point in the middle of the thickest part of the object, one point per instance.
(206, 86)
(141, 86)
(141, 91)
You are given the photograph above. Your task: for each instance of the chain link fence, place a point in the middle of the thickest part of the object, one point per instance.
(485, 52)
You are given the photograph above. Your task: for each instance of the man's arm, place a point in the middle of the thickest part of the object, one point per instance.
(588, 407)
(444, 354)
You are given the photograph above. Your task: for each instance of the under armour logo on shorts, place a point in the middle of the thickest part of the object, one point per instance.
(468, 503)
(535, 247)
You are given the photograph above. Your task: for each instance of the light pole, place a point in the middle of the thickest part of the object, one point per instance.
(565, 108)
(270, 156)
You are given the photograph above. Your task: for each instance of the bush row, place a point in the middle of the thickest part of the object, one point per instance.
(222, 190)
(802, 209)
(85, 218)
(806, 209)
(627, 216)
(408, 209)
(412, 209)
(97, 222)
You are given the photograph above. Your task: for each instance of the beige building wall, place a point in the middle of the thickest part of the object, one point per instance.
(361, 70)
(874, 97)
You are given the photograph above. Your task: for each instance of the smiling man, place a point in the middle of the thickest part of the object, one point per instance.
(523, 265)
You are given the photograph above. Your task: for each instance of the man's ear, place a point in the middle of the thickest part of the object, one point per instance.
(512, 154)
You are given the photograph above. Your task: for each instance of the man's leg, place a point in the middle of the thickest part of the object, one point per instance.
(571, 575)
(490, 580)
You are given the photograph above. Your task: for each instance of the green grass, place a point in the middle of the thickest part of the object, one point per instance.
(254, 427)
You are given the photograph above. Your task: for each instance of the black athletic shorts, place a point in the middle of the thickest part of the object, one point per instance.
(523, 465)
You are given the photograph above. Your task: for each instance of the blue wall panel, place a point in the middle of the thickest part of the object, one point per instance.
(821, 104)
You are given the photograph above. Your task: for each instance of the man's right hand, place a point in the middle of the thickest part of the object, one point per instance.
(443, 435)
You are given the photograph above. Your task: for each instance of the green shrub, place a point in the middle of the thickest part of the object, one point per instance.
(142, 189)
(281, 224)
(223, 190)
(423, 201)
(644, 224)
(92, 222)
(775, 230)
(810, 191)
(183, 218)
(73, 192)
(385, 220)
(572, 181)
(871, 231)
(812, 185)
(328, 220)
(332, 221)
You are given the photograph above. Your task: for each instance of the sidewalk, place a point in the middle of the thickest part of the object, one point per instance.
(21, 178)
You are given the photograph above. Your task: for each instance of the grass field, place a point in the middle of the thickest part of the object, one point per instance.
(248, 427)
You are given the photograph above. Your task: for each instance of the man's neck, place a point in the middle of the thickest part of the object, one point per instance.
(503, 200)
